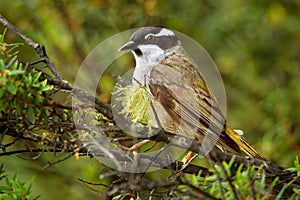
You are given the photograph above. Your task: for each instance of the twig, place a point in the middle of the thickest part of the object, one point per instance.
(12, 142)
(87, 184)
(81, 95)
(58, 80)
(49, 164)
(38, 48)
(90, 183)
(200, 193)
(37, 150)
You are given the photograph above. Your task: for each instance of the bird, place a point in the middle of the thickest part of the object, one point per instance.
(184, 103)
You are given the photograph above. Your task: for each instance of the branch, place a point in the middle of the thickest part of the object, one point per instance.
(39, 49)
(195, 146)
(59, 81)
(80, 94)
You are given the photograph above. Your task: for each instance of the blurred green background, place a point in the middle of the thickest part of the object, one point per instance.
(255, 45)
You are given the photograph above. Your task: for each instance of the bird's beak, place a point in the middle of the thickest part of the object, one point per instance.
(128, 46)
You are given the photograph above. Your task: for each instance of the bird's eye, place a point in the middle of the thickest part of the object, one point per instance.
(150, 38)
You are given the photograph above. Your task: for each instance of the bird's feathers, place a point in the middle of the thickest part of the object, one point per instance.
(189, 104)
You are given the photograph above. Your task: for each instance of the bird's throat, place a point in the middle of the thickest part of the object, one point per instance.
(141, 73)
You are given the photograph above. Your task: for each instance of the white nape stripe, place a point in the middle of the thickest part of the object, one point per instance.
(162, 32)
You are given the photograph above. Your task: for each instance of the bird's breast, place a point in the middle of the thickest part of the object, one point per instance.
(141, 72)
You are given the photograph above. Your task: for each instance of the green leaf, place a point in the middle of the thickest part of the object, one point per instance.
(44, 82)
(44, 115)
(3, 80)
(45, 88)
(31, 115)
(11, 62)
(279, 195)
(2, 65)
(28, 185)
(29, 78)
(13, 47)
(3, 35)
(2, 91)
(11, 88)
(16, 72)
(36, 77)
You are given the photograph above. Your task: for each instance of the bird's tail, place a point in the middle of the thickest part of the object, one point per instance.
(242, 143)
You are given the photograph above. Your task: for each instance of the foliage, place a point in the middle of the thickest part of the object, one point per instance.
(13, 188)
(242, 183)
(21, 91)
(227, 181)
(247, 183)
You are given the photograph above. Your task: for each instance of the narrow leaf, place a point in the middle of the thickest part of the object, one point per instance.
(31, 115)
(11, 88)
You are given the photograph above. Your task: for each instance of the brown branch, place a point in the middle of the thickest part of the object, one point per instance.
(38, 48)
(49, 164)
(200, 193)
(142, 185)
(195, 146)
(12, 142)
(58, 80)
(81, 95)
(30, 150)
(15, 30)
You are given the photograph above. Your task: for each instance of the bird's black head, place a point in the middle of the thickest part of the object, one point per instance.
(151, 37)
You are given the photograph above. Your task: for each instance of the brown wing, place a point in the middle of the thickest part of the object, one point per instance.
(187, 100)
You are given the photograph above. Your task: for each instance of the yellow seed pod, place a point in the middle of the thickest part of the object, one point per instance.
(136, 102)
